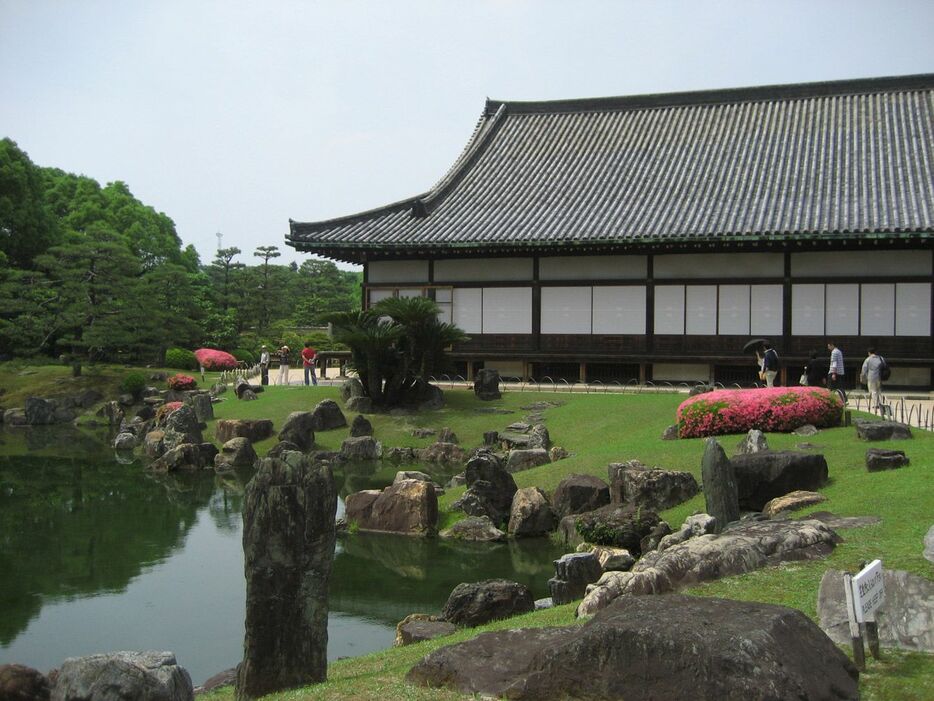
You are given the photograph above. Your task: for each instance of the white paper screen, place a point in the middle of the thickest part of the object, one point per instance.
(734, 310)
(701, 310)
(619, 310)
(913, 309)
(841, 312)
(766, 311)
(877, 307)
(566, 310)
(507, 310)
(377, 295)
(807, 310)
(468, 310)
(669, 309)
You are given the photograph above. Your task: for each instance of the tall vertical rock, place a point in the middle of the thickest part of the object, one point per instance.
(288, 548)
(720, 491)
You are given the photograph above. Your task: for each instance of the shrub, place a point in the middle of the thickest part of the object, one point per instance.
(181, 382)
(768, 409)
(133, 384)
(244, 355)
(212, 359)
(180, 359)
(162, 413)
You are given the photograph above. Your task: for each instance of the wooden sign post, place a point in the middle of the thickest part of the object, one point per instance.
(865, 592)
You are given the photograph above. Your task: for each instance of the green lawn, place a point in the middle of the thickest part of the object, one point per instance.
(601, 428)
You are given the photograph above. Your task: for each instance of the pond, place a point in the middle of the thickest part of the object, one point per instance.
(97, 556)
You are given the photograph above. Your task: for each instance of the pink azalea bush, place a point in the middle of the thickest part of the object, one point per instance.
(767, 409)
(181, 382)
(212, 359)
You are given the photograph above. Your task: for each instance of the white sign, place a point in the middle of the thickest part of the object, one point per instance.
(868, 591)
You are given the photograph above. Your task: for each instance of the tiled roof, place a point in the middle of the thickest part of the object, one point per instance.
(846, 159)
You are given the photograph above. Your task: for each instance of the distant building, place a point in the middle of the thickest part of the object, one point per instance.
(652, 236)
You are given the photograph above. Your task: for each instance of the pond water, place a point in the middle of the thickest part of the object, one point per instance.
(97, 556)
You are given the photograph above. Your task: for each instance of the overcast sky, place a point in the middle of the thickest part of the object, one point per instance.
(233, 116)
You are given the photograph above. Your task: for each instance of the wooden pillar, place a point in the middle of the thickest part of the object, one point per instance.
(582, 373)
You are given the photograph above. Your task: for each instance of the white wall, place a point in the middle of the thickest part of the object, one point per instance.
(593, 268)
(861, 263)
(483, 269)
(397, 271)
(718, 266)
(681, 372)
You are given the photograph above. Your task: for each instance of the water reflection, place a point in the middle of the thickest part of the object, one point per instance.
(96, 555)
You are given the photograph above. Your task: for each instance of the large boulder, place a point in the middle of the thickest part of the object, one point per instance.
(870, 430)
(116, 676)
(125, 441)
(520, 460)
(442, 454)
(905, 620)
(360, 426)
(653, 489)
(182, 426)
(299, 428)
(360, 405)
(237, 452)
(17, 417)
(185, 457)
(201, 403)
(351, 388)
(539, 437)
(328, 415)
(21, 683)
(672, 647)
(743, 547)
(361, 448)
(486, 385)
(878, 459)
(255, 430)
(154, 443)
(473, 604)
(288, 553)
(408, 506)
(490, 488)
(620, 526)
(760, 477)
(576, 494)
(531, 514)
(39, 411)
(573, 572)
(478, 529)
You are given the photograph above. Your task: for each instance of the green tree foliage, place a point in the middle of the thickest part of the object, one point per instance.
(91, 270)
(27, 228)
(395, 346)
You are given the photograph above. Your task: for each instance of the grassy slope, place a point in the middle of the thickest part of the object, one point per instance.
(598, 429)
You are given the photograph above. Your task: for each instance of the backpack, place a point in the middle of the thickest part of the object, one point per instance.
(885, 372)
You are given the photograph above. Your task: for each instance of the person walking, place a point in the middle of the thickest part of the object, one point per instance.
(769, 364)
(309, 360)
(835, 371)
(283, 377)
(815, 371)
(264, 366)
(871, 376)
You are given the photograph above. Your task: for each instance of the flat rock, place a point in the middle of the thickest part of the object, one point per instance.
(670, 647)
(792, 502)
(653, 489)
(475, 603)
(417, 627)
(520, 460)
(878, 459)
(474, 528)
(743, 547)
(870, 430)
(906, 619)
(837, 522)
(253, 429)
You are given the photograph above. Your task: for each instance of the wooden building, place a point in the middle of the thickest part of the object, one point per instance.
(651, 236)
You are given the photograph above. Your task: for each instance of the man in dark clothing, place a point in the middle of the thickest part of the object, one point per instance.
(769, 364)
(816, 371)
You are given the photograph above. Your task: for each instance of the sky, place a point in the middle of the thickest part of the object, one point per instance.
(234, 117)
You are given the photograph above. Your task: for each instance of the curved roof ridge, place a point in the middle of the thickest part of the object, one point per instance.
(919, 81)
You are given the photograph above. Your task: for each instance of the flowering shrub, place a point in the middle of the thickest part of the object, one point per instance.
(181, 382)
(211, 359)
(769, 409)
(162, 413)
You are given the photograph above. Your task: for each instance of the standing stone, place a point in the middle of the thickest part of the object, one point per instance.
(531, 514)
(754, 442)
(486, 385)
(720, 490)
(328, 415)
(39, 412)
(573, 572)
(201, 403)
(288, 549)
(299, 429)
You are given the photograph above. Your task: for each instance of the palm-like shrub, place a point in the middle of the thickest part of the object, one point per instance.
(395, 346)
(767, 409)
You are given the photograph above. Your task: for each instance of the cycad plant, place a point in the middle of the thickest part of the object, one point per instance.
(395, 346)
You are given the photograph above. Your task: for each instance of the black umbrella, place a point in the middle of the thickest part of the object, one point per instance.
(754, 343)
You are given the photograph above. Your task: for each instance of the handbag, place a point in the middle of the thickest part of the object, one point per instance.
(803, 380)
